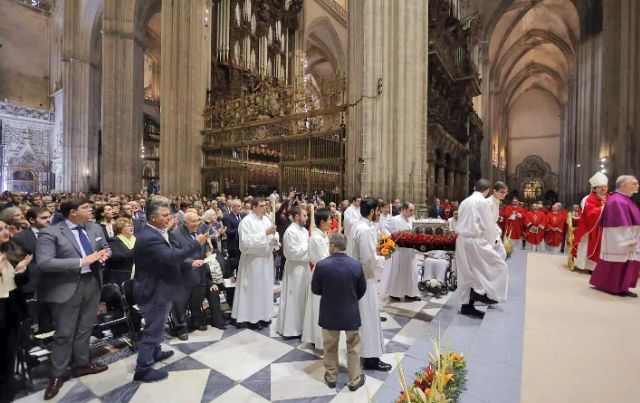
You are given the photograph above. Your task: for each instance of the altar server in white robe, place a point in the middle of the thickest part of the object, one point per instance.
(403, 276)
(500, 191)
(318, 250)
(482, 271)
(382, 229)
(362, 247)
(258, 238)
(295, 285)
(351, 215)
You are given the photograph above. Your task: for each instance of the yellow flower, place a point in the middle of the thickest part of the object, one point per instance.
(448, 378)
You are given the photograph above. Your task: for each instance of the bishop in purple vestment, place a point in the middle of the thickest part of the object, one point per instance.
(619, 263)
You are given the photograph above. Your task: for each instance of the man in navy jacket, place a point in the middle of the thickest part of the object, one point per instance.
(157, 278)
(339, 280)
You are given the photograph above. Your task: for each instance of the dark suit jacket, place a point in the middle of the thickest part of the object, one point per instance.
(27, 241)
(157, 277)
(191, 276)
(58, 255)
(436, 212)
(231, 222)
(339, 280)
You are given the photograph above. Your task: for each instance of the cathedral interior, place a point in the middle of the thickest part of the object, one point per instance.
(410, 99)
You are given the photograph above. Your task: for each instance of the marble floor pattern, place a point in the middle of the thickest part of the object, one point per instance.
(242, 365)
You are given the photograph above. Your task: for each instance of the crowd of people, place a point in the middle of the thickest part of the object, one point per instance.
(57, 251)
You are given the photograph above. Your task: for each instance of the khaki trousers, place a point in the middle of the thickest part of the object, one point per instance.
(330, 341)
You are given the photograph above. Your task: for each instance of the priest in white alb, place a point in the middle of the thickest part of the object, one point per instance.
(482, 270)
(403, 276)
(258, 238)
(351, 215)
(295, 283)
(318, 250)
(362, 247)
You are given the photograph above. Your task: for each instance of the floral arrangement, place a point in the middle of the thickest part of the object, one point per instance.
(441, 381)
(425, 242)
(386, 246)
(508, 246)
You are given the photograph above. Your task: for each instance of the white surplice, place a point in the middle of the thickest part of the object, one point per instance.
(295, 284)
(479, 262)
(362, 247)
(349, 218)
(582, 262)
(403, 276)
(253, 299)
(318, 250)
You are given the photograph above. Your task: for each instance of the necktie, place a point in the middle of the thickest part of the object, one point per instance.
(84, 241)
(238, 217)
(193, 235)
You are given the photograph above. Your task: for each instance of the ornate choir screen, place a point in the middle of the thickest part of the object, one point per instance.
(280, 136)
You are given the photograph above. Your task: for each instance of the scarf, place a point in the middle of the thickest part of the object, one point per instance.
(129, 243)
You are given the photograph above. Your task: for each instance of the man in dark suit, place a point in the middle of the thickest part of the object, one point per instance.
(436, 210)
(70, 256)
(231, 222)
(39, 218)
(195, 278)
(340, 282)
(156, 280)
(128, 211)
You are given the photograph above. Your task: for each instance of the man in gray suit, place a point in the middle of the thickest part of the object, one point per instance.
(70, 256)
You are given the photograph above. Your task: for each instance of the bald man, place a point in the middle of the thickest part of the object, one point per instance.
(195, 276)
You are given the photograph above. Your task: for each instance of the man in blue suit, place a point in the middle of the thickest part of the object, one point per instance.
(339, 280)
(157, 278)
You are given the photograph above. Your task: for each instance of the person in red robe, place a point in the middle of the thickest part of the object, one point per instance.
(514, 220)
(588, 236)
(554, 231)
(501, 220)
(535, 222)
(447, 209)
(576, 212)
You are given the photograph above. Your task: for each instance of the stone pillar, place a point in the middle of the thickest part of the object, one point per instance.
(185, 65)
(431, 174)
(122, 99)
(80, 74)
(387, 70)
(56, 142)
(441, 185)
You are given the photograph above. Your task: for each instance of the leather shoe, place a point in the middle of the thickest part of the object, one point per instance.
(163, 355)
(203, 328)
(221, 327)
(183, 336)
(481, 298)
(470, 310)
(394, 298)
(408, 298)
(151, 375)
(629, 294)
(93, 368)
(376, 365)
(330, 384)
(54, 387)
(357, 386)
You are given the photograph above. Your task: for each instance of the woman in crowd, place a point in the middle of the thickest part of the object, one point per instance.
(13, 273)
(14, 217)
(120, 264)
(104, 217)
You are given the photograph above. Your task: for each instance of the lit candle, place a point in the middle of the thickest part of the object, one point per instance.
(312, 218)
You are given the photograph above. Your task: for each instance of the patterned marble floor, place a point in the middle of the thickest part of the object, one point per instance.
(249, 366)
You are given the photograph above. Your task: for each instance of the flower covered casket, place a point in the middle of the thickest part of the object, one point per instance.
(424, 242)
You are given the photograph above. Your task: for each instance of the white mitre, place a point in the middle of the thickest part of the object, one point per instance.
(599, 179)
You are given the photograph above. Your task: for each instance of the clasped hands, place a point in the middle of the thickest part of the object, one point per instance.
(97, 256)
(21, 267)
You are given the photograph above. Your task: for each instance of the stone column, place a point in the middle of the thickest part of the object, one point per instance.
(56, 141)
(431, 174)
(451, 190)
(122, 99)
(185, 65)
(441, 185)
(387, 70)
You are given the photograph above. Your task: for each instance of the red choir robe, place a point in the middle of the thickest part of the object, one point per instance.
(533, 221)
(514, 219)
(501, 219)
(554, 230)
(589, 226)
(447, 210)
(575, 218)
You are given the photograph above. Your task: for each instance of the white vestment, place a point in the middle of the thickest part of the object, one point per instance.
(478, 257)
(295, 284)
(582, 262)
(403, 276)
(351, 216)
(318, 250)
(382, 225)
(253, 300)
(453, 224)
(363, 249)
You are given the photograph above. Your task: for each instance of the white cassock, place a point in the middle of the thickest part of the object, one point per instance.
(435, 265)
(362, 247)
(351, 216)
(494, 208)
(403, 276)
(253, 300)
(453, 224)
(479, 262)
(318, 250)
(295, 285)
